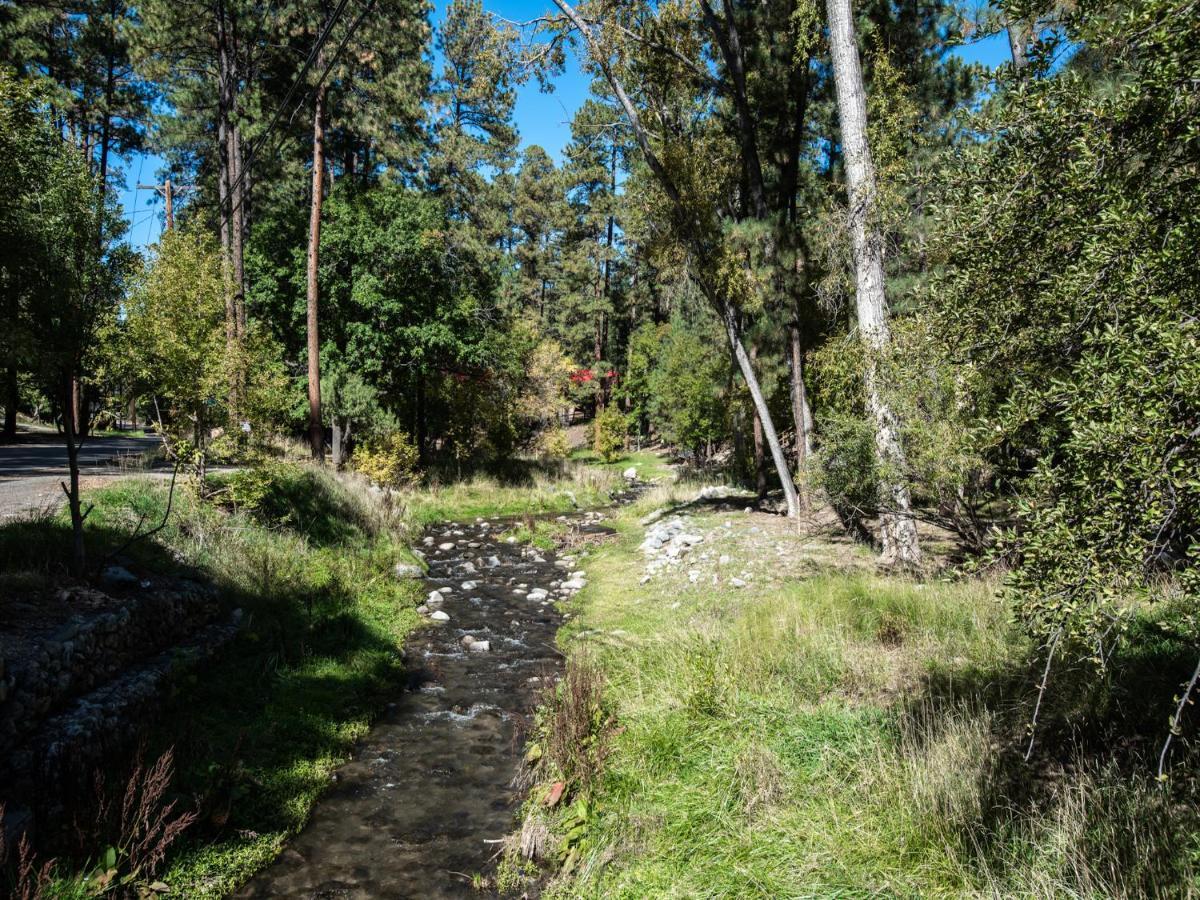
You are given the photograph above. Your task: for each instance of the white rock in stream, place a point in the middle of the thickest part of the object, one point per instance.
(575, 584)
(539, 594)
(470, 585)
(428, 542)
(435, 598)
(448, 545)
(438, 616)
(492, 562)
(630, 474)
(479, 646)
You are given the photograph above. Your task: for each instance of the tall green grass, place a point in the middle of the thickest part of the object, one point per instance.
(258, 731)
(850, 735)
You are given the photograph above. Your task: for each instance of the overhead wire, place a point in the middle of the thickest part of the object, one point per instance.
(318, 45)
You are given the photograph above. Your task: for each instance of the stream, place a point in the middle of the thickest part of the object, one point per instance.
(421, 807)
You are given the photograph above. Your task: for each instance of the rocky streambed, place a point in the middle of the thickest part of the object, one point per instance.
(421, 808)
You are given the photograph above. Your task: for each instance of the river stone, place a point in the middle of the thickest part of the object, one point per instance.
(435, 598)
(492, 562)
(118, 576)
(479, 646)
(539, 594)
(630, 474)
(422, 610)
(408, 570)
(574, 584)
(467, 640)
(470, 585)
(737, 582)
(438, 616)
(448, 545)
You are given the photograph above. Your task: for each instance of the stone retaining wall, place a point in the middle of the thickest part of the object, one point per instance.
(87, 652)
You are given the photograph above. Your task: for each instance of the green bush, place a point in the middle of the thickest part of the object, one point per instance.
(553, 443)
(608, 434)
(389, 461)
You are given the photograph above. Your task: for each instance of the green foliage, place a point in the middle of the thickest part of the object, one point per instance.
(553, 443)
(608, 433)
(60, 266)
(389, 460)
(1069, 296)
(687, 386)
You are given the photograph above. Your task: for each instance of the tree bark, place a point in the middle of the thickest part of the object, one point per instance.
(801, 412)
(760, 455)
(78, 551)
(11, 398)
(898, 532)
(316, 431)
(225, 89)
(734, 333)
(1018, 40)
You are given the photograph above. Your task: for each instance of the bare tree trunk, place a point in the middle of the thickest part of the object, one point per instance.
(760, 455)
(801, 412)
(733, 332)
(719, 303)
(316, 432)
(1018, 40)
(897, 527)
(11, 399)
(78, 551)
(341, 441)
(225, 190)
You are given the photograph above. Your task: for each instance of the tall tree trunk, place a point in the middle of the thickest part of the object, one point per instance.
(11, 398)
(733, 331)
(237, 230)
(316, 432)
(801, 412)
(78, 555)
(225, 185)
(897, 527)
(760, 455)
(1018, 42)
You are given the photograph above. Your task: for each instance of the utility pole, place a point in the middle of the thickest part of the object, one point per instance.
(168, 191)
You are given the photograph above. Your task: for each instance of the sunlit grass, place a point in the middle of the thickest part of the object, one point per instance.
(844, 734)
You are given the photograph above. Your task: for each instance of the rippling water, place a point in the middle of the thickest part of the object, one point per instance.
(411, 815)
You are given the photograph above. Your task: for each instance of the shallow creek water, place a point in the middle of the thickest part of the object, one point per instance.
(412, 814)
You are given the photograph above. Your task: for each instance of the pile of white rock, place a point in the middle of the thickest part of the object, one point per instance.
(667, 542)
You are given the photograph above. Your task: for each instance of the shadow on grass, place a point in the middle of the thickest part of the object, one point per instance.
(256, 729)
(506, 472)
(1088, 791)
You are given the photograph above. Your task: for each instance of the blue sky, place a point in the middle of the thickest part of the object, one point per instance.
(541, 118)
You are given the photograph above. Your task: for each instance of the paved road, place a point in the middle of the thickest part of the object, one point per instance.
(31, 469)
(45, 455)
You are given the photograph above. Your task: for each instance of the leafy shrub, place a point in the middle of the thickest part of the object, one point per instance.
(250, 488)
(553, 443)
(608, 434)
(389, 460)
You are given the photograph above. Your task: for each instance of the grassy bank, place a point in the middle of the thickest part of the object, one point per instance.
(258, 731)
(826, 731)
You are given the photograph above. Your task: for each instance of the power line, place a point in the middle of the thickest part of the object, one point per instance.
(308, 62)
